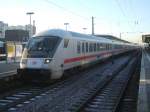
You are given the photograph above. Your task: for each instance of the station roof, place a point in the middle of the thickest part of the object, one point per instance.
(112, 38)
(146, 38)
(16, 35)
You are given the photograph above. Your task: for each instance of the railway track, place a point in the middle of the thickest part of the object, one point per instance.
(108, 97)
(129, 100)
(63, 95)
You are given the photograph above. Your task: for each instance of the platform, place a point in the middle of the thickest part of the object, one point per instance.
(7, 68)
(144, 86)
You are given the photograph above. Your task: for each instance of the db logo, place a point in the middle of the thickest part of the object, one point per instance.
(34, 62)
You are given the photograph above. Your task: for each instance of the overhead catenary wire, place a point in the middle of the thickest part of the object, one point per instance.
(66, 10)
(136, 22)
(123, 13)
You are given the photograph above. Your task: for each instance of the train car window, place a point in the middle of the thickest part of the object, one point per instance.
(98, 47)
(78, 48)
(66, 41)
(106, 46)
(110, 46)
(87, 46)
(90, 47)
(94, 47)
(102, 47)
(116, 46)
(83, 48)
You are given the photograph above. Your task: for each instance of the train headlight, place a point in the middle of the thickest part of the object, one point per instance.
(46, 61)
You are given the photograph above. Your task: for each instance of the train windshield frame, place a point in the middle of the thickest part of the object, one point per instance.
(42, 46)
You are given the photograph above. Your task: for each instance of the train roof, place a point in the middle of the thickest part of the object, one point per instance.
(113, 38)
(54, 32)
(69, 34)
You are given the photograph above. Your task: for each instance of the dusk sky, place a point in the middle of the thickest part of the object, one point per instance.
(128, 17)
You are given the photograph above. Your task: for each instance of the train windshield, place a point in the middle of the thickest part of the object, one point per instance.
(42, 46)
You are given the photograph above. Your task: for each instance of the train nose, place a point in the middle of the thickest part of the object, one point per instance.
(35, 63)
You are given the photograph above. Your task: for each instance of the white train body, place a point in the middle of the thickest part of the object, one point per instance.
(52, 52)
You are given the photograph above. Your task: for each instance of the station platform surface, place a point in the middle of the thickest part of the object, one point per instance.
(144, 85)
(8, 68)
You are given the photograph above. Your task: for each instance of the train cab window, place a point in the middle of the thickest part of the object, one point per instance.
(42, 46)
(87, 46)
(66, 41)
(93, 49)
(83, 48)
(78, 47)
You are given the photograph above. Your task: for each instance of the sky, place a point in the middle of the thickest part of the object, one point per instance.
(127, 19)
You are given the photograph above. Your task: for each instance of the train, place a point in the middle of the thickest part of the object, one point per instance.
(50, 53)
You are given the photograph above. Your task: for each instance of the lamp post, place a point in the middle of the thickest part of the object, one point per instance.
(30, 13)
(84, 30)
(66, 25)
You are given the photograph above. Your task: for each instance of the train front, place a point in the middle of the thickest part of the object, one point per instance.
(37, 57)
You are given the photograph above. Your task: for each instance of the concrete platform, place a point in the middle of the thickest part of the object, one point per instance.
(8, 68)
(144, 86)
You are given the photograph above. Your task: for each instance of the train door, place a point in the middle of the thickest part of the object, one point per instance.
(68, 53)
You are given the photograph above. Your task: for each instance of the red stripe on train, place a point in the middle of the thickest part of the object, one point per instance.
(70, 60)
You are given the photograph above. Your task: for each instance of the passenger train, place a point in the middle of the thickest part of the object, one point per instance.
(50, 53)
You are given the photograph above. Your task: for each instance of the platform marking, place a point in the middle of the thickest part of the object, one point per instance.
(142, 97)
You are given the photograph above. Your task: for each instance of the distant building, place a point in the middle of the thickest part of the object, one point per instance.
(31, 29)
(3, 27)
(17, 35)
(19, 27)
(15, 38)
